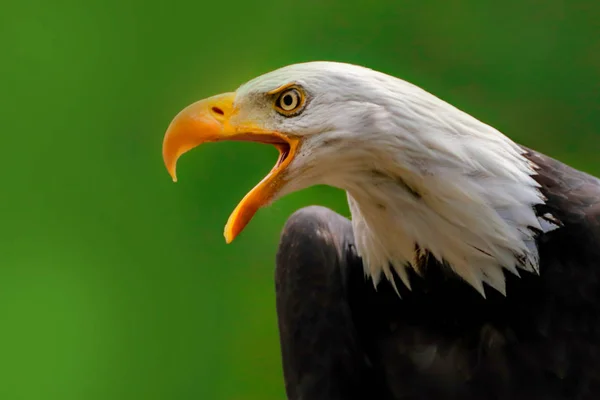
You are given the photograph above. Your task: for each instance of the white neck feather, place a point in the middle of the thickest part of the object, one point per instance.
(437, 179)
(477, 223)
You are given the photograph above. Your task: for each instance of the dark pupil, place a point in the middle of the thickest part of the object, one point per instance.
(288, 100)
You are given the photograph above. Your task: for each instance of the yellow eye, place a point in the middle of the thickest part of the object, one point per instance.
(289, 101)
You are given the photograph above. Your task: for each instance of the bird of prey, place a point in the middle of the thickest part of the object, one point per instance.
(470, 267)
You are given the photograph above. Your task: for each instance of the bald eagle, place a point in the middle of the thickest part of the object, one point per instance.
(470, 268)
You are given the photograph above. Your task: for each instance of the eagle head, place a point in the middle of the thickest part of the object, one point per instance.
(422, 177)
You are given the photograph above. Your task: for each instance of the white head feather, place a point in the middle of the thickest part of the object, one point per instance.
(419, 173)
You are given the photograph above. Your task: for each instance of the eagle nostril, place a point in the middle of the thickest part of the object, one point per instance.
(217, 110)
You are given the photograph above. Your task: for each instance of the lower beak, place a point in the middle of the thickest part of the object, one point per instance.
(209, 120)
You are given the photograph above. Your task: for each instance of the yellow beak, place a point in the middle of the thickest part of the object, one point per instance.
(209, 120)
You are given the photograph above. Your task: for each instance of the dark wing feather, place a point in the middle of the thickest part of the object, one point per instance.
(573, 196)
(321, 354)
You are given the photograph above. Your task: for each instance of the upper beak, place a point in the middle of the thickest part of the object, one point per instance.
(209, 120)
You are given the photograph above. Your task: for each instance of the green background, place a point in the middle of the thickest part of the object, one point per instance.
(116, 283)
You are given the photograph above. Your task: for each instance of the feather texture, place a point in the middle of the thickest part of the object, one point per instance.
(419, 172)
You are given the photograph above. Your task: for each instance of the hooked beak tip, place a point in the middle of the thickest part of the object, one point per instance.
(170, 157)
(196, 124)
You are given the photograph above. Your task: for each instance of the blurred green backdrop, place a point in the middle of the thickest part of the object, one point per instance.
(116, 283)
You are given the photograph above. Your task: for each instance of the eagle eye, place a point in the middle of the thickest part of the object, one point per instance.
(290, 101)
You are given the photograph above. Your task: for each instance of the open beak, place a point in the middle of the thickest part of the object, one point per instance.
(209, 120)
